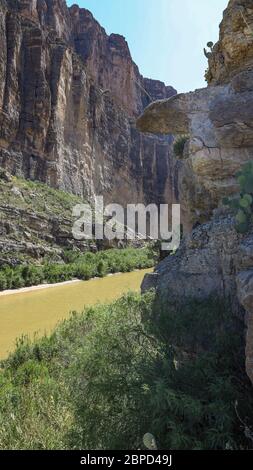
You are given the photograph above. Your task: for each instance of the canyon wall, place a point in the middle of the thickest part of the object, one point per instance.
(213, 259)
(69, 95)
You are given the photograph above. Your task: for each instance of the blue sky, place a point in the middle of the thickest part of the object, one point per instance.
(166, 37)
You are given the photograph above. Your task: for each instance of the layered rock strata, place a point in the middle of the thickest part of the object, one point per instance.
(68, 96)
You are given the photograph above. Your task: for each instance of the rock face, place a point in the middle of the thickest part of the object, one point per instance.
(213, 258)
(213, 261)
(109, 62)
(219, 123)
(68, 96)
(207, 263)
(35, 222)
(218, 120)
(234, 51)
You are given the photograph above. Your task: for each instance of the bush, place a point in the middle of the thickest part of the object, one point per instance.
(242, 204)
(101, 269)
(85, 272)
(85, 267)
(3, 282)
(17, 281)
(179, 146)
(107, 377)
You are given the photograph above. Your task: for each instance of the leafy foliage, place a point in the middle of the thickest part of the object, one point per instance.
(179, 146)
(242, 204)
(133, 368)
(82, 267)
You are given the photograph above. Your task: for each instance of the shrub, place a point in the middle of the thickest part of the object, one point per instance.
(32, 275)
(84, 272)
(3, 282)
(242, 204)
(179, 146)
(17, 281)
(170, 374)
(101, 269)
(84, 267)
(111, 375)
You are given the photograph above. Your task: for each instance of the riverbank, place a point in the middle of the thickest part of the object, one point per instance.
(25, 290)
(38, 310)
(107, 376)
(77, 266)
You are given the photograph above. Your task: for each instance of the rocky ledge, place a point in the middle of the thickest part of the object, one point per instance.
(213, 258)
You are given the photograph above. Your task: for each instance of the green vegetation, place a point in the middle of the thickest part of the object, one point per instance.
(117, 372)
(36, 197)
(36, 220)
(242, 204)
(78, 266)
(179, 146)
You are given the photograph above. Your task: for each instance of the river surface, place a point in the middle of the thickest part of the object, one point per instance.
(37, 312)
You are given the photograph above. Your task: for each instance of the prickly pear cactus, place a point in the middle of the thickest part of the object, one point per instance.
(149, 441)
(242, 204)
(210, 46)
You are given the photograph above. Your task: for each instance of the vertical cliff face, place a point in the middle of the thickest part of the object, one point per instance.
(233, 53)
(109, 62)
(218, 119)
(213, 258)
(68, 97)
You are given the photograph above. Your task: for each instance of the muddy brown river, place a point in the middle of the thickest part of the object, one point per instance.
(36, 312)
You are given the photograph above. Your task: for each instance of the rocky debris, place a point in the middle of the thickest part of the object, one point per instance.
(11, 251)
(68, 95)
(5, 176)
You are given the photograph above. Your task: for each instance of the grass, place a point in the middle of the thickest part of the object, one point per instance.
(37, 197)
(109, 375)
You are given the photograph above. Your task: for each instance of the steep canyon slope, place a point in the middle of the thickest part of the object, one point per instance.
(69, 94)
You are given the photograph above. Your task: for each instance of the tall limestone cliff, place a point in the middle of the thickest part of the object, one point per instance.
(213, 258)
(69, 95)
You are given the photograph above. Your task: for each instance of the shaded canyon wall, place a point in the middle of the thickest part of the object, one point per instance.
(69, 95)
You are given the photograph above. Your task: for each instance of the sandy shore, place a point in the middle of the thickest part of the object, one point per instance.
(23, 290)
(39, 287)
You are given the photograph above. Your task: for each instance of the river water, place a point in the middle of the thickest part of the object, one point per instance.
(37, 312)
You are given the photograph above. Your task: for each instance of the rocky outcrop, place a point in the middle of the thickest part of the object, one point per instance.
(206, 264)
(234, 51)
(213, 260)
(68, 95)
(35, 222)
(109, 62)
(218, 120)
